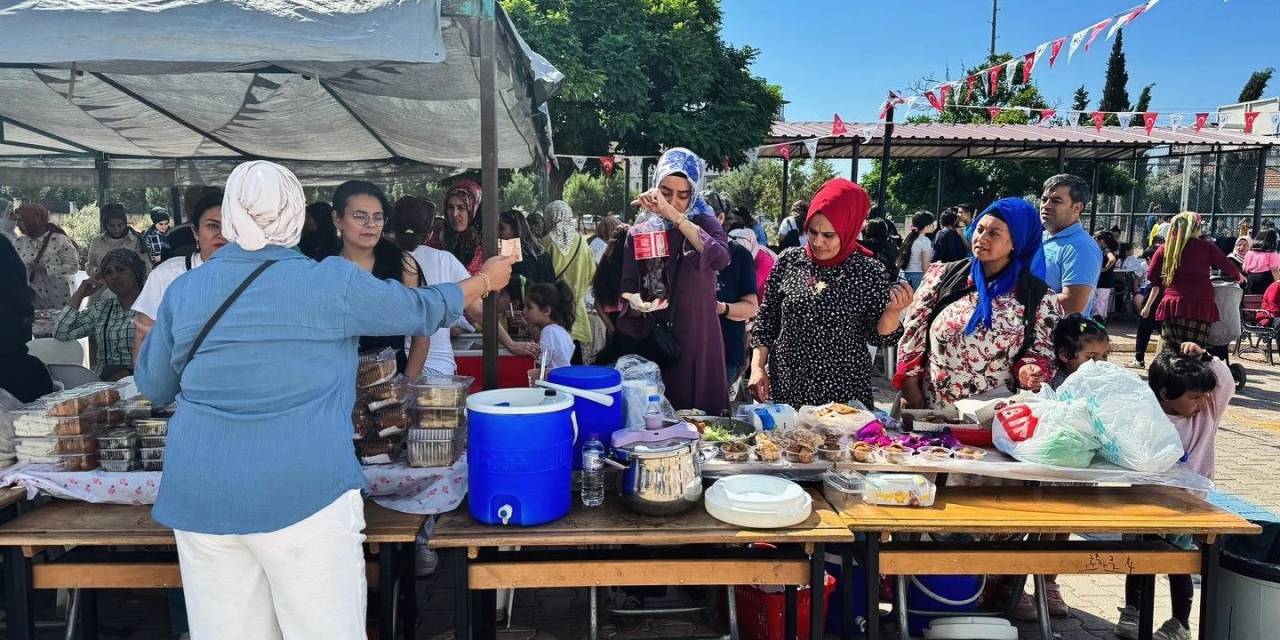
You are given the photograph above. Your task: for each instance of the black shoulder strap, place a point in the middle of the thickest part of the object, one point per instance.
(952, 285)
(188, 259)
(217, 315)
(1030, 291)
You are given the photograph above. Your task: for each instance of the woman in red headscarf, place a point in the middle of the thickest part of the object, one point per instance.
(823, 304)
(51, 258)
(461, 233)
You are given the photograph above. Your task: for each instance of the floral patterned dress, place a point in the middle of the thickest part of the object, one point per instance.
(50, 273)
(961, 366)
(817, 323)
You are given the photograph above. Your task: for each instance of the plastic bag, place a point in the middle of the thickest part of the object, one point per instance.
(767, 417)
(844, 419)
(641, 377)
(1056, 433)
(1133, 430)
(8, 404)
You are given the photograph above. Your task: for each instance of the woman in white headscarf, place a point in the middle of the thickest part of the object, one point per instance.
(261, 483)
(573, 262)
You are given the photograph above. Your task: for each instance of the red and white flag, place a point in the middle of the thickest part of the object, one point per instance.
(1249, 117)
(945, 93)
(968, 86)
(837, 126)
(993, 74)
(1125, 20)
(1057, 48)
(1028, 62)
(1046, 115)
(1098, 118)
(1201, 120)
(785, 152)
(607, 163)
(993, 113)
(1149, 120)
(1094, 31)
(933, 101)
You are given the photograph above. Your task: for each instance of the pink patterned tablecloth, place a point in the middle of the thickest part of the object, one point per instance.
(396, 486)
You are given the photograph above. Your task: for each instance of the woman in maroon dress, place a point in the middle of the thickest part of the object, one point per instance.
(1180, 268)
(698, 248)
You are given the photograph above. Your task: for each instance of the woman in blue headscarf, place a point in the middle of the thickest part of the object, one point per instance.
(684, 282)
(983, 323)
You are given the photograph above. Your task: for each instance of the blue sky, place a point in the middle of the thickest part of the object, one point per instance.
(841, 56)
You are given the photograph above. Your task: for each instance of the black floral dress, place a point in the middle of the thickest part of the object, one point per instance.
(817, 323)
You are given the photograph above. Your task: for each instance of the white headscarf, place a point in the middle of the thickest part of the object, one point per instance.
(746, 238)
(263, 205)
(7, 221)
(562, 225)
(683, 161)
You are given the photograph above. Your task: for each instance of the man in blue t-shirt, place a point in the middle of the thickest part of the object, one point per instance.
(1073, 260)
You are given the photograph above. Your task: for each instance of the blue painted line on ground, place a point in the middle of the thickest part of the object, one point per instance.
(1242, 507)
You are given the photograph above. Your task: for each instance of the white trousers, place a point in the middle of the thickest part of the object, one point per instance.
(303, 582)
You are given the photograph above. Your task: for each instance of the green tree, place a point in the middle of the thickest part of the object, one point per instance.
(520, 192)
(1080, 103)
(646, 73)
(1115, 93)
(1256, 85)
(594, 195)
(758, 187)
(1144, 99)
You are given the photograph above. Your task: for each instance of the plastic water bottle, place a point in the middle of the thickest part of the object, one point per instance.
(653, 415)
(592, 490)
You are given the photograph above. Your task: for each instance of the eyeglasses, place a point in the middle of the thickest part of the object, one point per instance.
(369, 220)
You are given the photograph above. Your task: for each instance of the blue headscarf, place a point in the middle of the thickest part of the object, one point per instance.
(685, 162)
(1027, 234)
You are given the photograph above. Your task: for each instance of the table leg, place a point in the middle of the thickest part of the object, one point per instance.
(872, 562)
(846, 592)
(88, 614)
(20, 617)
(461, 594)
(408, 590)
(388, 571)
(1042, 607)
(484, 619)
(817, 591)
(1147, 607)
(593, 633)
(1209, 588)
(789, 612)
(900, 607)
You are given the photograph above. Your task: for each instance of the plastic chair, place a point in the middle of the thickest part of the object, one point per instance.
(54, 351)
(71, 375)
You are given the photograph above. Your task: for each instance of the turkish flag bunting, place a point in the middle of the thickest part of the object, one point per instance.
(837, 126)
(1249, 117)
(945, 91)
(1028, 61)
(993, 113)
(1046, 115)
(1149, 120)
(606, 163)
(994, 76)
(1056, 47)
(1093, 34)
(785, 151)
(1201, 120)
(1098, 118)
(933, 101)
(968, 85)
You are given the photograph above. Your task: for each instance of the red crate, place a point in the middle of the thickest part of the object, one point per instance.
(761, 613)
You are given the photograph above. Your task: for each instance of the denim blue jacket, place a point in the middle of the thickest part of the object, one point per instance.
(262, 434)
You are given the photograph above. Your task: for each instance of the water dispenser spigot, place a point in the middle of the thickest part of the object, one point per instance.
(505, 512)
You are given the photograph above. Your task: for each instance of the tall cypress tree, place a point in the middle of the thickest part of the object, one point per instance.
(1115, 95)
(1256, 85)
(1081, 103)
(1144, 99)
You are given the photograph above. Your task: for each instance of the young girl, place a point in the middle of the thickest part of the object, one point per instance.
(1077, 340)
(549, 308)
(1194, 390)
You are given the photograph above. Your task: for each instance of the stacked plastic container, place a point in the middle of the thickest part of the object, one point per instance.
(61, 429)
(380, 416)
(135, 438)
(438, 434)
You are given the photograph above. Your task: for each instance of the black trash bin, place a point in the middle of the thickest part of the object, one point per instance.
(1249, 586)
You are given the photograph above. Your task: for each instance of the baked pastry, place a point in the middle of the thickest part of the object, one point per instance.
(396, 416)
(376, 367)
(361, 421)
(123, 438)
(57, 445)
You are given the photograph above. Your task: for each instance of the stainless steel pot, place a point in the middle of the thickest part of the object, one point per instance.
(660, 478)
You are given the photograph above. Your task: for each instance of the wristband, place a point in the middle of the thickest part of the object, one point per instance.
(487, 284)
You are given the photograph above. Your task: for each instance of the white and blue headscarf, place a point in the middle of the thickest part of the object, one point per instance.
(687, 163)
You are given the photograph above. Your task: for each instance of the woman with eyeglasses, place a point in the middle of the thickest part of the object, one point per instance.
(360, 212)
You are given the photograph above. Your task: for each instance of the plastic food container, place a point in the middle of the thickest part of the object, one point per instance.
(118, 439)
(152, 442)
(58, 445)
(385, 394)
(735, 451)
(934, 454)
(36, 424)
(119, 466)
(899, 489)
(152, 453)
(772, 453)
(440, 391)
(843, 488)
(393, 417)
(73, 402)
(758, 501)
(74, 462)
(866, 453)
(425, 453)
(153, 465)
(799, 454)
(897, 454)
(431, 435)
(376, 367)
(135, 407)
(117, 455)
(152, 426)
(438, 418)
(831, 454)
(970, 453)
(104, 417)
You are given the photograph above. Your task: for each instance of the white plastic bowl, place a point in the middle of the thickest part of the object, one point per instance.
(758, 502)
(970, 628)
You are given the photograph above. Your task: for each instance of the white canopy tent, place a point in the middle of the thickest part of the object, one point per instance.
(94, 87)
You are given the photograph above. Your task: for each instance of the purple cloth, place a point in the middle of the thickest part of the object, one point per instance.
(697, 380)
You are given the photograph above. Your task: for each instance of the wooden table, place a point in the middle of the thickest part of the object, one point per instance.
(1150, 511)
(656, 551)
(93, 528)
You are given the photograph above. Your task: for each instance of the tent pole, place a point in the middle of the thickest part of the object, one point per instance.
(786, 187)
(175, 204)
(1062, 159)
(1259, 189)
(104, 182)
(1097, 177)
(884, 161)
(489, 178)
(938, 208)
(626, 187)
(1217, 189)
(853, 159)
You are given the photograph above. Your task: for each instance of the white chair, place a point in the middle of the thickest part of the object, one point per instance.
(71, 375)
(54, 351)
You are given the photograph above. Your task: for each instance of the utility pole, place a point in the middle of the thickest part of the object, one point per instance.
(995, 7)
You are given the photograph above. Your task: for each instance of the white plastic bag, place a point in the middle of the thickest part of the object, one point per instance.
(8, 404)
(1052, 432)
(640, 377)
(1133, 430)
(844, 419)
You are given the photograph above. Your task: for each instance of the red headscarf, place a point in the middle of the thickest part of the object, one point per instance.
(846, 205)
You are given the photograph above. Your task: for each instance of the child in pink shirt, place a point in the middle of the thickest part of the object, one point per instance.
(1194, 390)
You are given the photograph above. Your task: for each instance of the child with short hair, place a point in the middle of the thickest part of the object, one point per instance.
(550, 308)
(1194, 390)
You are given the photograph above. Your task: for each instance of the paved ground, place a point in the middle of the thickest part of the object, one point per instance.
(1247, 473)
